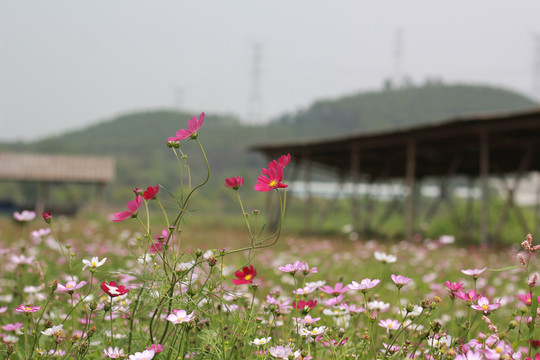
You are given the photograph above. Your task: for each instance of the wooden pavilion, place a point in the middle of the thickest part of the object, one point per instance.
(505, 145)
(54, 169)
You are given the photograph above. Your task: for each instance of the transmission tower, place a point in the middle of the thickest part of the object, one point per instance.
(398, 55)
(255, 97)
(536, 69)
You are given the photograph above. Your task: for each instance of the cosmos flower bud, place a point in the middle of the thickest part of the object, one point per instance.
(211, 261)
(47, 216)
(198, 252)
(91, 331)
(138, 191)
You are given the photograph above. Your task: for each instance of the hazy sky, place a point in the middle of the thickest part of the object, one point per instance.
(66, 64)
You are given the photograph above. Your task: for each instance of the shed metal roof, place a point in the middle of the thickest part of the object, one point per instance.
(383, 154)
(56, 168)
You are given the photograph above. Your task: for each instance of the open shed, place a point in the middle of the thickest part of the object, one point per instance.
(53, 169)
(476, 146)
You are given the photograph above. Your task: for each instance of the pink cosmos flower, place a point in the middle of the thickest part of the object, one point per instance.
(133, 206)
(337, 290)
(180, 316)
(470, 296)
(470, 355)
(113, 353)
(474, 272)
(334, 343)
(484, 305)
(194, 125)
(283, 352)
(70, 286)
(234, 182)
(12, 327)
(298, 266)
(352, 308)
(307, 320)
(400, 280)
(389, 324)
(334, 301)
(151, 192)
(27, 309)
(24, 215)
(364, 285)
(145, 355)
(304, 291)
(245, 276)
(21, 259)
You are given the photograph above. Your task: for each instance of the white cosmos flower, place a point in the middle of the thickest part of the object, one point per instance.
(94, 263)
(384, 257)
(261, 341)
(53, 330)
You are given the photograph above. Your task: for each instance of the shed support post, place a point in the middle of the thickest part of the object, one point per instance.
(101, 197)
(307, 186)
(43, 196)
(410, 180)
(484, 181)
(355, 177)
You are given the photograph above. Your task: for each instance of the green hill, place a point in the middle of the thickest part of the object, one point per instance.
(137, 140)
(378, 110)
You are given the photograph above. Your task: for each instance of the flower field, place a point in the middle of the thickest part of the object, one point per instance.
(148, 284)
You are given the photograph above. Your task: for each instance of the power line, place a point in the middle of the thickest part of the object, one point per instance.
(255, 98)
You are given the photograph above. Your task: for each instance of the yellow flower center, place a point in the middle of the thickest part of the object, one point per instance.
(248, 277)
(273, 183)
(485, 307)
(94, 264)
(389, 325)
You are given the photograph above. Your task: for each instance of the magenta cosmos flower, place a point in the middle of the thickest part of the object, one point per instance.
(364, 285)
(70, 286)
(526, 298)
(272, 177)
(234, 182)
(27, 309)
(151, 192)
(133, 206)
(113, 290)
(484, 305)
(245, 276)
(453, 288)
(194, 125)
